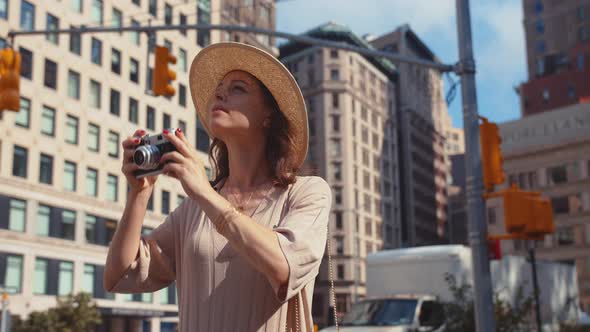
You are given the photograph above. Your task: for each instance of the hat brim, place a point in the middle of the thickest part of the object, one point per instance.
(211, 65)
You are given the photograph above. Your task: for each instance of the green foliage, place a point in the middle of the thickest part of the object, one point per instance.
(461, 310)
(73, 313)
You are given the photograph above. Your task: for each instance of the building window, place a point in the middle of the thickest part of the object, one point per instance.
(182, 126)
(182, 60)
(340, 272)
(179, 199)
(117, 18)
(336, 123)
(167, 14)
(19, 161)
(96, 51)
(113, 144)
(580, 62)
(46, 169)
(50, 77)
(565, 236)
(73, 85)
(540, 27)
(112, 184)
(27, 15)
(48, 121)
(165, 202)
(153, 7)
(92, 182)
(168, 294)
(151, 118)
(134, 70)
(202, 138)
(99, 230)
(97, 16)
(53, 277)
(204, 17)
(134, 35)
(71, 129)
(338, 195)
(11, 271)
(166, 121)
(26, 68)
(69, 176)
(52, 24)
(557, 175)
(23, 117)
(4, 14)
(581, 11)
(338, 217)
(115, 104)
(334, 54)
(75, 42)
(93, 137)
(115, 61)
(182, 21)
(538, 7)
(335, 148)
(337, 171)
(181, 94)
(571, 94)
(133, 110)
(334, 75)
(95, 91)
(17, 215)
(150, 204)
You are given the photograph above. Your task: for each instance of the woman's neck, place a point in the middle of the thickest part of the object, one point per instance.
(248, 165)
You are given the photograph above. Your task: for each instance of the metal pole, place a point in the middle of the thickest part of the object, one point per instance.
(298, 38)
(4, 323)
(484, 305)
(535, 287)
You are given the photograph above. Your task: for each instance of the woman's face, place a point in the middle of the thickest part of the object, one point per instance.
(238, 107)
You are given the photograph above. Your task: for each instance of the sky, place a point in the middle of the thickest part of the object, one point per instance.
(497, 30)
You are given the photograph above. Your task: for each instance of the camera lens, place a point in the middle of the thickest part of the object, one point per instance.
(138, 157)
(147, 157)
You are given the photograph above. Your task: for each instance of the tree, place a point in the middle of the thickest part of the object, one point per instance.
(509, 318)
(73, 313)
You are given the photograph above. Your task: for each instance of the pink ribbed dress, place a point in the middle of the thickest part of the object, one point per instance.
(218, 290)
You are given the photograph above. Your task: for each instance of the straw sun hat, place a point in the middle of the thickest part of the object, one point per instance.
(211, 65)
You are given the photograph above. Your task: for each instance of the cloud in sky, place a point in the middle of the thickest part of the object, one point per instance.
(496, 26)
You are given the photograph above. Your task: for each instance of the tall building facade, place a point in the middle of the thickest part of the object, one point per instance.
(423, 123)
(252, 13)
(550, 153)
(558, 54)
(61, 187)
(353, 129)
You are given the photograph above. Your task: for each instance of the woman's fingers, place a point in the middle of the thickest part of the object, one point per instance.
(180, 145)
(173, 156)
(130, 142)
(128, 168)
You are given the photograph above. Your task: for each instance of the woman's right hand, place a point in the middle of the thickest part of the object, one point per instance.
(144, 184)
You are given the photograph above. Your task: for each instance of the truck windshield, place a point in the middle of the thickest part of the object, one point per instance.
(381, 313)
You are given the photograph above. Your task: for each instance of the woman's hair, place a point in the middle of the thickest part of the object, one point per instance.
(279, 152)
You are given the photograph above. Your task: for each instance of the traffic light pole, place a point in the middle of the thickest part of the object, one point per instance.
(484, 305)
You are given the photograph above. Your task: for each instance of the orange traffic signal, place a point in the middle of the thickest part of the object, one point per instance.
(9, 80)
(491, 155)
(162, 74)
(527, 215)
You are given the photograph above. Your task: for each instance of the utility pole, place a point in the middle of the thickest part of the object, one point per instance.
(484, 306)
(4, 323)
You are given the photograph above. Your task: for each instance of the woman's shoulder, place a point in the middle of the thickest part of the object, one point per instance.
(307, 185)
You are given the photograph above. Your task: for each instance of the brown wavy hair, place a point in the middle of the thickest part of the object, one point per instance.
(280, 147)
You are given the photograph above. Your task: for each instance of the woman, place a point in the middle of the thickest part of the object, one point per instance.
(245, 251)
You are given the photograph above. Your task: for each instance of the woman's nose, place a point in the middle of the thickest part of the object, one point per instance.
(220, 95)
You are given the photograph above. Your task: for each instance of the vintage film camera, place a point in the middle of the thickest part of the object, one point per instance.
(148, 153)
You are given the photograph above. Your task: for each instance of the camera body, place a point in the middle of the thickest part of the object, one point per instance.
(148, 153)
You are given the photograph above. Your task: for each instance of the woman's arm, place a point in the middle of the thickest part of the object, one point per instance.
(125, 243)
(258, 244)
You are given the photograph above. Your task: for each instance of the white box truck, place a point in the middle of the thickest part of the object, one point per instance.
(406, 288)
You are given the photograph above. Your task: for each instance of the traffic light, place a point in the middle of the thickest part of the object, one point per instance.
(9, 80)
(491, 156)
(527, 215)
(162, 74)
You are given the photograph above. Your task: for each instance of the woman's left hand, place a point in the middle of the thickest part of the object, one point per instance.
(186, 166)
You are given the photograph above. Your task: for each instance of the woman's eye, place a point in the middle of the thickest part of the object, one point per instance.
(239, 88)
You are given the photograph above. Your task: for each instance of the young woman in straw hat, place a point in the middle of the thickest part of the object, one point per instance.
(245, 249)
